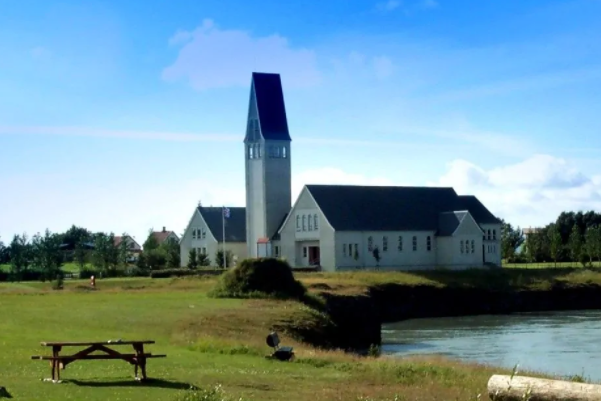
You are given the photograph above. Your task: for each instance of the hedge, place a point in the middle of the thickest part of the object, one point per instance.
(166, 273)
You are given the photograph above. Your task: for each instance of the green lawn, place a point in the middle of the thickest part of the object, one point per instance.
(70, 267)
(547, 265)
(207, 341)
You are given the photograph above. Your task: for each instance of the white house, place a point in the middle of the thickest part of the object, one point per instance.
(341, 227)
(206, 229)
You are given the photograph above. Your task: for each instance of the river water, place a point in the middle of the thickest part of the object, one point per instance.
(560, 343)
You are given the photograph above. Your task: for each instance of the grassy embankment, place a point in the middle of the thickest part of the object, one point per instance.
(213, 341)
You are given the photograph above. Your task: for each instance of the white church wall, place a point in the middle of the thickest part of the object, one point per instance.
(392, 256)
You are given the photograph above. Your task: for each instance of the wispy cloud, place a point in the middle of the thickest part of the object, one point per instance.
(389, 5)
(212, 58)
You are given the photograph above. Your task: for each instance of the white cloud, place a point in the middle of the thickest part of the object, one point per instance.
(388, 5)
(213, 58)
(531, 192)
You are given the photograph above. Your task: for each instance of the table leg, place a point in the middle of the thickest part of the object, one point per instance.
(140, 360)
(55, 363)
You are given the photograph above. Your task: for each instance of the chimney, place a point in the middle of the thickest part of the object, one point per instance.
(163, 228)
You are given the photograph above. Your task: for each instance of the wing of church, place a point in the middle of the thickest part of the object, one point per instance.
(338, 227)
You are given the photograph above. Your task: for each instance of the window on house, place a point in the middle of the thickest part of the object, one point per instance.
(370, 243)
(315, 221)
(414, 243)
(193, 233)
(400, 245)
(494, 234)
(304, 251)
(384, 244)
(310, 223)
(343, 249)
(250, 152)
(204, 233)
(356, 250)
(204, 251)
(461, 246)
(429, 243)
(298, 226)
(284, 152)
(277, 251)
(489, 234)
(473, 246)
(304, 223)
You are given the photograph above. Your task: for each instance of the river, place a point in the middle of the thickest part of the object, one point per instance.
(560, 343)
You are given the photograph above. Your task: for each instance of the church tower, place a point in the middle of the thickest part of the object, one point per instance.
(267, 161)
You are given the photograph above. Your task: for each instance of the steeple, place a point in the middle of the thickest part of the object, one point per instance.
(267, 160)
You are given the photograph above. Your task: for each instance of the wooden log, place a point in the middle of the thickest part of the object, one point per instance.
(506, 388)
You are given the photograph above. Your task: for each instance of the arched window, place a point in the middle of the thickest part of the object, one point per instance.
(461, 246)
(304, 223)
(315, 221)
(310, 223)
(414, 243)
(400, 244)
(284, 152)
(473, 246)
(494, 234)
(250, 152)
(370, 243)
(429, 243)
(489, 234)
(385, 244)
(298, 226)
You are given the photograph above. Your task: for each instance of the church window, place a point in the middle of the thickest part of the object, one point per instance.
(304, 251)
(343, 249)
(204, 250)
(258, 151)
(315, 221)
(473, 246)
(489, 234)
(494, 234)
(304, 223)
(284, 152)
(277, 251)
(193, 233)
(356, 254)
(400, 244)
(250, 152)
(385, 243)
(277, 152)
(461, 246)
(429, 243)
(310, 223)
(298, 226)
(370, 243)
(204, 233)
(414, 243)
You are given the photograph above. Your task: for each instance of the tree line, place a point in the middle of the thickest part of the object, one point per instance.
(45, 254)
(572, 237)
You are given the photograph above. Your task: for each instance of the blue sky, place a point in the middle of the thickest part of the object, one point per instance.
(121, 116)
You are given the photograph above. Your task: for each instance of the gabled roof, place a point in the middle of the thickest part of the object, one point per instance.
(390, 208)
(235, 225)
(161, 236)
(478, 211)
(119, 239)
(270, 106)
(449, 221)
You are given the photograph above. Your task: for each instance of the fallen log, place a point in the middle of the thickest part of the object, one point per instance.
(507, 388)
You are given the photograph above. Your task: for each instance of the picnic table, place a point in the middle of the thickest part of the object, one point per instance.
(60, 362)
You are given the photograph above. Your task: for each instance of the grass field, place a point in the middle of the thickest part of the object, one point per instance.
(207, 341)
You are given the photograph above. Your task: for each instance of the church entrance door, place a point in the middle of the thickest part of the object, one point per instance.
(314, 255)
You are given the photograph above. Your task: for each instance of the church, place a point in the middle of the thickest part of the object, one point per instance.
(337, 227)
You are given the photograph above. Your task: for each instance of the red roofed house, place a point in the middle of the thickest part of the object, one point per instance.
(134, 249)
(164, 235)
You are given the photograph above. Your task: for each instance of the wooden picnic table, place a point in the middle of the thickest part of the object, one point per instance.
(58, 362)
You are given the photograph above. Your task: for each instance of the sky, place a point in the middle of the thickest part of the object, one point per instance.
(121, 116)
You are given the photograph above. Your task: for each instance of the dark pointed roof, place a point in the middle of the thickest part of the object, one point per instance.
(449, 221)
(235, 225)
(270, 106)
(380, 208)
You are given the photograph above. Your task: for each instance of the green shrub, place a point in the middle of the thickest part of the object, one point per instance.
(166, 273)
(269, 276)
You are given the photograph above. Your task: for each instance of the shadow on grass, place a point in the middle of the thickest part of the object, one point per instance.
(158, 383)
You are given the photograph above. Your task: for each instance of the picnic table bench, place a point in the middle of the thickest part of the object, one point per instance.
(58, 362)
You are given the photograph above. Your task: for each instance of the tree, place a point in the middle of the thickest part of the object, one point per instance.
(511, 240)
(592, 238)
(555, 244)
(4, 253)
(46, 254)
(19, 255)
(171, 250)
(123, 252)
(533, 246)
(151, 242)
(576, 244)
(80, 254)
(376, 255)
(203, 260)
(192, 261)
(219, 258)
(106, 254)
